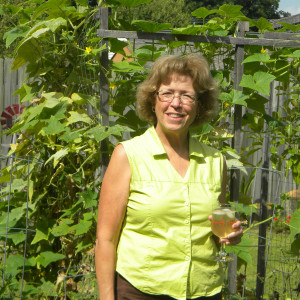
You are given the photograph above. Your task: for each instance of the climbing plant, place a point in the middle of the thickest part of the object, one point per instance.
(58, 43)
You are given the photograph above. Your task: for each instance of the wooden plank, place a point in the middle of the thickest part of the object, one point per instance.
(291, 20)
(104, 89)
(236, 144)
(282, 35)
(197, 38)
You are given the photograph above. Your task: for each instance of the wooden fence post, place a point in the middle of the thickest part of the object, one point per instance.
(104, 88)
(237, 139)
(263, 210)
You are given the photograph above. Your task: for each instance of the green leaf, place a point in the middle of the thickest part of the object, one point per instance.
(78, 116)
(234, 97)
(58, 156)
(189, 30)
(63, 228)
(47, 288)
(90, 198)
(17, 238)
(54, 126)
(24, 53)
(47, 257)
(257, 103)
(294, 224)
(70, 136)
(259, 82)
(272, 122)
(99, 133)
(132, 3)
(149, 26)
(263, 25)
(82, 227)
(26, 93)
(241, 250)
(230, 11)
(260, 57)
(83, 244)
(202, 12)
(14, 34)
(125, 66)
(42, 231)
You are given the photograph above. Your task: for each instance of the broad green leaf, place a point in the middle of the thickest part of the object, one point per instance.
(70, 136)
(90, 198)
(296, 54)
(148, 52)
(17, 238)
(24, 53)
(291, 27)
(202, 12)
(234, 97)
(54, 126)
(259, 82)
(125, 66)
(242, 250)
(263, 25)
(257, 103)
(189, 30)
(82, 227)
(294, 224)
(48, 288)
(230, 11)
(15, 33)
(26, 92)
(243, 209)
(54, 24)
(149, 26)
(63, 228)
(132, 3)
(83, 244)
(78, 116)
(40, 32)
(13, 264)
(99, 133)
(272, 122)
(93, 100)
(295, 246)
(16, 185)
(42, 231)
(58, 156)
(260, 57)
(47, 257)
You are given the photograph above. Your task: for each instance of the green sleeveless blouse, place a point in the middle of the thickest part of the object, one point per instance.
(166, 245)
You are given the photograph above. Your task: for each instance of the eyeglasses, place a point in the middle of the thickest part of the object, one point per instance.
(167, 96)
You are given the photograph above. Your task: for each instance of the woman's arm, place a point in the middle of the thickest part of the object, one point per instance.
(112, 207)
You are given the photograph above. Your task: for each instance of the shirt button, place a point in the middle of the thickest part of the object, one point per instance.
(186, 203)
(187, 258)
(186, 221)
(187, 240)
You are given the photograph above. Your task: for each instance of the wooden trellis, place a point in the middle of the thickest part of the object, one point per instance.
(274, 39)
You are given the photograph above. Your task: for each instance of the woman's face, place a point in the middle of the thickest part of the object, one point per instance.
(175, 116)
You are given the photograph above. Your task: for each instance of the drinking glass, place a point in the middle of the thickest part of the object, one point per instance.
(221, 225)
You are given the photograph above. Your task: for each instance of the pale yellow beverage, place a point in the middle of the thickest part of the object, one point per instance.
(222, 220)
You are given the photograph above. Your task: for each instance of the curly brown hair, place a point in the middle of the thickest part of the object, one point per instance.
(193, 65)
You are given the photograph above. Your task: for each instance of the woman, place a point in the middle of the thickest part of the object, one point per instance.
(154, 239)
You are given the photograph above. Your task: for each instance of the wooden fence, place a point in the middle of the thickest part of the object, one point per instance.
(10, 107)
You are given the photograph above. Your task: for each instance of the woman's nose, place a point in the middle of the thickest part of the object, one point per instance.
(176, 101)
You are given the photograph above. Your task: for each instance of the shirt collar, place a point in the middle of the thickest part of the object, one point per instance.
(158, 148)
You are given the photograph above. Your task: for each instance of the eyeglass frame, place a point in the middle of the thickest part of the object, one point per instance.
(192, 98)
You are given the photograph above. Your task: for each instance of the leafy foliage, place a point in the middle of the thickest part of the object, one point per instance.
(57, 191)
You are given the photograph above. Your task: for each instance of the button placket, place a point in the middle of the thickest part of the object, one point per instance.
(187, 222)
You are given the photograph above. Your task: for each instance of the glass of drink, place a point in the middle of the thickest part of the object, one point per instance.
(221, 225)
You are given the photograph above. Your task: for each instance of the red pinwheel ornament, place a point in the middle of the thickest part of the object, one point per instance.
(9, 115)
